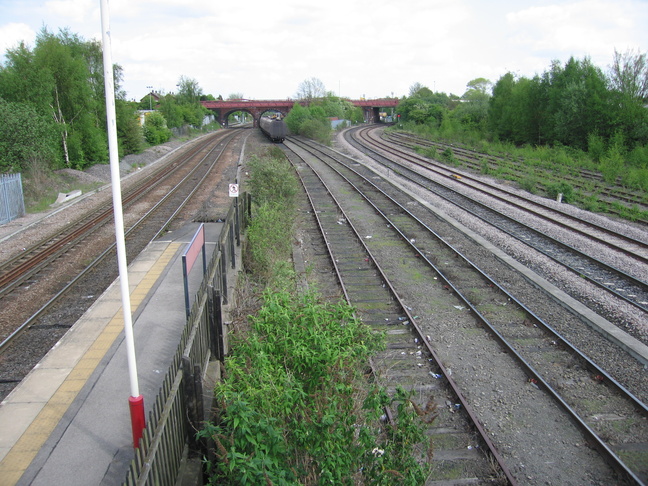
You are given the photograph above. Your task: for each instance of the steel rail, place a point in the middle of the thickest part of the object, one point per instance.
(471, 155)
(52, 247)
(4, 345)
(438, 188)
(607, 452)
(417, 329)
(447, 172)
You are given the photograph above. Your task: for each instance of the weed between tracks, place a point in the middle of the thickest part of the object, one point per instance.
(295, 405)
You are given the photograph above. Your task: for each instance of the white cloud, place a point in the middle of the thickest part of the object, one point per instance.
(591, 27)
(370, 47)
(73, 10)
(12, 34)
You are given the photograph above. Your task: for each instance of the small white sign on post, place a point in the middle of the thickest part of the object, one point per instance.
(233, 190)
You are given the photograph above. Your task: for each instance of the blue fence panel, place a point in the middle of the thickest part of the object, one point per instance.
(12, 204)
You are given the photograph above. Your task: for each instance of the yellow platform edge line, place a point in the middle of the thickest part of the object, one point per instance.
(21, 455)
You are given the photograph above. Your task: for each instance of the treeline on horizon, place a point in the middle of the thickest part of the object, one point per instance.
(573, 106)
(52, 105)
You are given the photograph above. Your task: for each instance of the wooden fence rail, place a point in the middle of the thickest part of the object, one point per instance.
(178, 411)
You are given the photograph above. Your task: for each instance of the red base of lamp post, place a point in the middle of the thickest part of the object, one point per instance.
(138, 422)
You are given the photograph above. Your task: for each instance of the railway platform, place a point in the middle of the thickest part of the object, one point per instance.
(68, 422)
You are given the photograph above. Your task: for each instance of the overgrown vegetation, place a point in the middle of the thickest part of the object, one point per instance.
(549, 129)
(52, 105)
(314, 120)
(295, 406)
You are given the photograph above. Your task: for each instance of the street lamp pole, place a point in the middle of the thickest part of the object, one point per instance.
(150, 93)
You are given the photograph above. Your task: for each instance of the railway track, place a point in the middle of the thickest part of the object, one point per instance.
(37, 257)
(622, 285)
(479, 161)
(613, 239)
(625, 244)
(408, 362)
(548, 361)
(35, 334)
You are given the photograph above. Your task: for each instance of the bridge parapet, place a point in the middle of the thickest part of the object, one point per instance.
(257, 107)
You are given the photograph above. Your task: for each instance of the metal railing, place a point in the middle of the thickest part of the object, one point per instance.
(12, 203)
(178, 410)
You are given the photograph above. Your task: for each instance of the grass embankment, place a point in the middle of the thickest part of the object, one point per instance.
(295, 405)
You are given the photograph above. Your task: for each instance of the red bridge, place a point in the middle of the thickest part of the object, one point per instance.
(256, 108)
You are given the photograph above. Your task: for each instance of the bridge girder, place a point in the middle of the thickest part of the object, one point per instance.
(257, 107)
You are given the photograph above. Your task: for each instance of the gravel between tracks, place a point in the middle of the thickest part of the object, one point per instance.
(519, 440)
(491, 401)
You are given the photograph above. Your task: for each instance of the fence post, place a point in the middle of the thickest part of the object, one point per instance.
(223, 273)
(237, 222)
(216, 325)
(220, 332)
(189, 395)
(232, 246)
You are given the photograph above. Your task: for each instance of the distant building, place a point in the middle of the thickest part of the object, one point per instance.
(152, 99)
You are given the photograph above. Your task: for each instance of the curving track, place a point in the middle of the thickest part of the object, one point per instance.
(548, 362)
(479, 162)
(631, 288)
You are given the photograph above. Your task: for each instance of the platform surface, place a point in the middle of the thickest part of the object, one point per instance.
(68, 422)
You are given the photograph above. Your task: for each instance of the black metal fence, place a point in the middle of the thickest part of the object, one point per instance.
(12, 204)
(178, 410)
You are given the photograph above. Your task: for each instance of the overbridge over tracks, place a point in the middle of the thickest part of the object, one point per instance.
(256, 108)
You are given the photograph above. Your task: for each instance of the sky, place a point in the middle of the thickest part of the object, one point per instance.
(264, 49)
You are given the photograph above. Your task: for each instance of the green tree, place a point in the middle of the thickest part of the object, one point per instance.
(62, 79)
(171, 111)
(75, 108)
(423, 106)
(298, 115)
(22, 80)
(25, 136)
(629, 81)
(129, 131)
(184, 108)
(578, 102)
(472, 112)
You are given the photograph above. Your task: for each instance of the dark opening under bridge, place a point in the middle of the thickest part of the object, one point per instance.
(256, 108)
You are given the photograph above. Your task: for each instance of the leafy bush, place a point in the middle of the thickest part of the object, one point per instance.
(24, 135)
(638, 157)
(595, 147)
(564, 188)
(310, 122)
(295, 408)
(529, 183)
(155, 129)
(612, 165)
(448, 156)
(272, 180)
(268, 242)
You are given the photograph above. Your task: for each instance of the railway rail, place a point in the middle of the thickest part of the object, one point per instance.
(476, 161)
(629, 288)
(626, 244)
(57, 314)
(546, 357)
(467, 448)
(37, 257)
